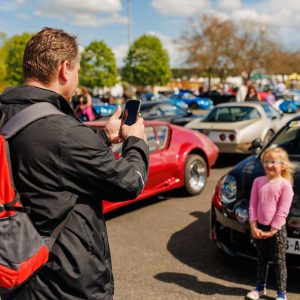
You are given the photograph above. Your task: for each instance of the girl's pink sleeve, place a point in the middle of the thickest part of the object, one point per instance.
(283, 206)
(253, 202)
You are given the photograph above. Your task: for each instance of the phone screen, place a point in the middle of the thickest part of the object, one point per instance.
(131, 110)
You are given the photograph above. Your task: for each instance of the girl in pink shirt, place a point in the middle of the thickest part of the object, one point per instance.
(270, 202)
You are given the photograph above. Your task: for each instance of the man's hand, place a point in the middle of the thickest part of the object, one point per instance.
(112, 127)
(137, 129)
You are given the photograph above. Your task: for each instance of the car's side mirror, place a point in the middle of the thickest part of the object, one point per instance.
(256, 146)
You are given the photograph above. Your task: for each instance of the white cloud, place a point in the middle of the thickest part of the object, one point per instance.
(91, 13)
(79, 7)
(287, 13)
(251, 14)
(94, 21)
(229, 5)
(180, 7)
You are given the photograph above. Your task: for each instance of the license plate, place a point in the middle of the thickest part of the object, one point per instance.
(292, 246)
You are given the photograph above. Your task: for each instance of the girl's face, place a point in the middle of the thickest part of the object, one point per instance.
(273, 165)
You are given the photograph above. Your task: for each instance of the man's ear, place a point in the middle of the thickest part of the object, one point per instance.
(64, 71)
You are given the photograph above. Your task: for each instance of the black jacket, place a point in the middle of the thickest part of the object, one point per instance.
(59, 164)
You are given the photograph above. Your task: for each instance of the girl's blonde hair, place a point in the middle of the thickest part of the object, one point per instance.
(288, 168)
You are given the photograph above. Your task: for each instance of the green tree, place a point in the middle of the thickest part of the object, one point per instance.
(98, 66)
(2, 60)
(15, 47)
(147, 63)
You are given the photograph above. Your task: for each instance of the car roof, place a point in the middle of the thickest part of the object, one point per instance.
(243, 104)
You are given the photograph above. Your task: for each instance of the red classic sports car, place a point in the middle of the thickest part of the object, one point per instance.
(179, 158)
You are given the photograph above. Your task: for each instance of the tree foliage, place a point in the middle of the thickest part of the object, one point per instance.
(147, 63)
(2, 60)
(13, 52)
(98, 66)
(254, 47)
(209, 44)
(224, 48)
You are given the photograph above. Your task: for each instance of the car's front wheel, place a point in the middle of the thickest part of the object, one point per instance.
(195, 174)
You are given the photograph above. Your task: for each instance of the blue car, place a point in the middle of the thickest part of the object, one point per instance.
(160, 97)
(103, 109)
(288, 106)
(192, 101)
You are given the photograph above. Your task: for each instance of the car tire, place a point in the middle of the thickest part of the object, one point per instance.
(268, 136)
(195, 174)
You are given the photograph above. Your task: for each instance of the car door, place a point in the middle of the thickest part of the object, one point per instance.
(168, 155)
(156, 163)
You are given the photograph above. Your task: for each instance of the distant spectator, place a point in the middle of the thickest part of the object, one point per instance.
(280, 87)
(270, 98)
(241, 93)
(252, 94)
(85, 109)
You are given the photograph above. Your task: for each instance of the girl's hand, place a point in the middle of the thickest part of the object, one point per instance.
(269, 234)
(256, 233)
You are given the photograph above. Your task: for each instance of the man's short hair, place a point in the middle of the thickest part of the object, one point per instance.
(46, 51)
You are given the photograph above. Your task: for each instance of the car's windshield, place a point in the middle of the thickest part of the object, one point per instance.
(289, 139)
(232, 114)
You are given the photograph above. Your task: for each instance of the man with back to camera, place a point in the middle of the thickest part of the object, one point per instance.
(61, 166)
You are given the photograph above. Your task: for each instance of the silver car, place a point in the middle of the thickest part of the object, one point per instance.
(234, 126)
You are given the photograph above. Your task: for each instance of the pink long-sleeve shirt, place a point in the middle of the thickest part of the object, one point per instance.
(270, 201)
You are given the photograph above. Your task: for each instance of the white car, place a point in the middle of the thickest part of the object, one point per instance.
(234, 126)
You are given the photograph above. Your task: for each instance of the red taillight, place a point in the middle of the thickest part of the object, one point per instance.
(222, 137)
(231, 137)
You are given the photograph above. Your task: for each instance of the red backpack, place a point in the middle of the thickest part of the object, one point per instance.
(22, 250)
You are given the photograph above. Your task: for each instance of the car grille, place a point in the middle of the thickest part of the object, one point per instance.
(236, 240)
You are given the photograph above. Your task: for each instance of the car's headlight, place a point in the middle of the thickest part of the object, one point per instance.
(228, 190)
(241, 214)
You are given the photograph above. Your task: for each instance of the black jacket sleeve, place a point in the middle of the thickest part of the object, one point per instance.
(89, 166)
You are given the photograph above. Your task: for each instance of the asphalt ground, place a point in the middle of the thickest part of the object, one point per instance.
(161, 250)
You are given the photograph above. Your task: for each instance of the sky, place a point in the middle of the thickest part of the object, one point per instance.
(108, 20)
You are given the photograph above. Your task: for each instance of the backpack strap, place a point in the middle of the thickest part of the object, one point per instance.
(18, 122)
(27, 116)
(1, 118)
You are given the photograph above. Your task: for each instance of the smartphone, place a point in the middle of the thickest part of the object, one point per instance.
(131, 111)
